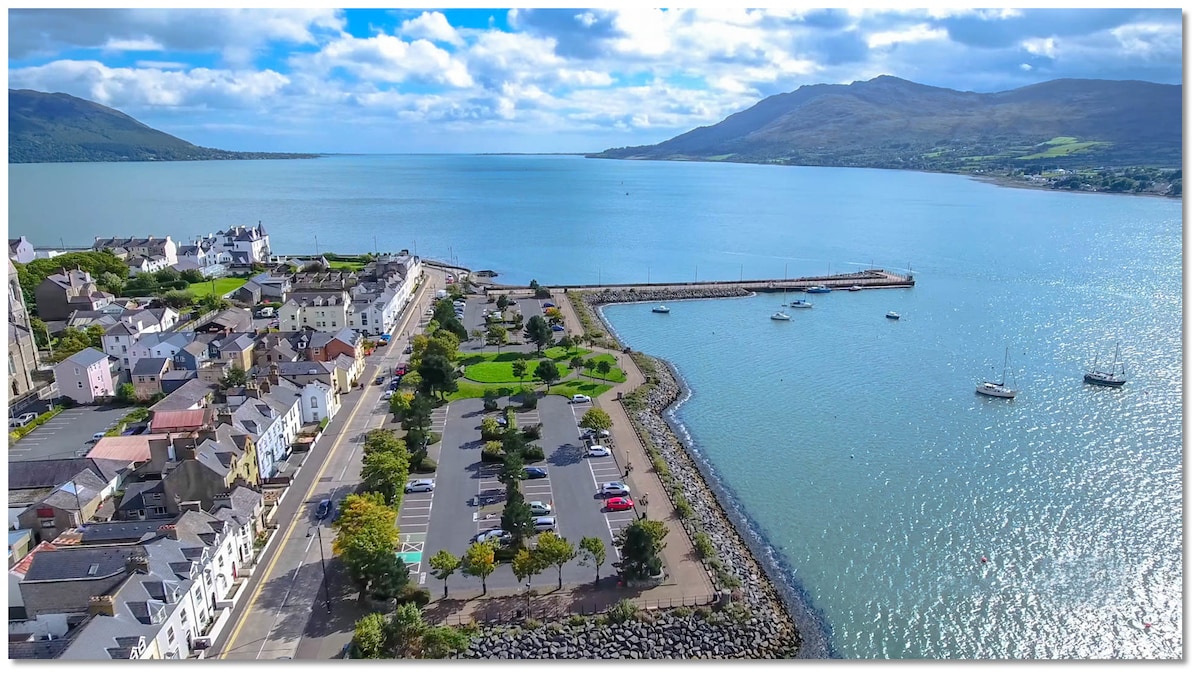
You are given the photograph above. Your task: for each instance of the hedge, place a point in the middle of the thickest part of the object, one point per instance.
(24, 430)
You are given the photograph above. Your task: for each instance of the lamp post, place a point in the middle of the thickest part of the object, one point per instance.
(324, 574)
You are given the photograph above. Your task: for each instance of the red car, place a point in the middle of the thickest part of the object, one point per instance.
(402, 369)
(619, 503)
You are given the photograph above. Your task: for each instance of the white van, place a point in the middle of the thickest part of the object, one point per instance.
(267, 312)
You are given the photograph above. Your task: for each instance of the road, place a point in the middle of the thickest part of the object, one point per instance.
(283, 612)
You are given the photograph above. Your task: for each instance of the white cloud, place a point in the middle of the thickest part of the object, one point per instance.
(1147, 40)
(1040, 47)
(386, 58)
(138, 45)
(919, 33)
(431, 26)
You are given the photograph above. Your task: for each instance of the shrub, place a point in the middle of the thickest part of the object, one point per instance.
(660, 466)
(622, 612)
(738, 612)
(533, 453)
(681, 611)
(434, 438)
(415, 595)
(681, 504)
(702, 612)
(324, 422)
(704, 545)
(426, 464)
(532, 432)
(493, 452)
(531, 624)
(506, 553)
(576, 621)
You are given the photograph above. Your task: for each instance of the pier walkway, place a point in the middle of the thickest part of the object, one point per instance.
(876, 278)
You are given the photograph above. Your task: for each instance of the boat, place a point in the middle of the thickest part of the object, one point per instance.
(892, 315)
(819, 289)
(1112, 377)
(780, 315)
(801, 303)
(660, 309)
(855, 288)
(998, 389)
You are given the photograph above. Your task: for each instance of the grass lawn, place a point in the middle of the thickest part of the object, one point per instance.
(347, 265)
(224, 285)
(501, 372)
(579, 386)
(556, 353)
(468, 390)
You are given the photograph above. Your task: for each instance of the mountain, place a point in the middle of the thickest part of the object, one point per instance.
(62, 128)
(888, 122)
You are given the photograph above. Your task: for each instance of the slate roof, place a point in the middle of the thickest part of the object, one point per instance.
(243, 503)
(135, 492)
(239, 342)
(64, 564)
(47, 473)
(86, 357)
(121, 531)
(87, 488)
(38, 649)
(300, 368)
(185, 397)
(150, 366)
(234, 319)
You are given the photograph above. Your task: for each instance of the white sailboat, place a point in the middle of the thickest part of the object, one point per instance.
(1112, 377)
(999, 389)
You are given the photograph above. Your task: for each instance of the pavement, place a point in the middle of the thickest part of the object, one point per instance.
(67, 435)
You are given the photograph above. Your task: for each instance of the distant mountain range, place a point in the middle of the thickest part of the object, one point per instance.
(891, 123)
(62, 128)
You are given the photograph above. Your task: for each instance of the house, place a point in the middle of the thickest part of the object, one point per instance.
(271, 415)
(68, 290)
(177, 378)
(189, 469)
(50, 495)
(277, 347)
(326, 310)
(319, 401)
(249, 293)
(143, 248)
(301, 373)
(236, 350)
(129, 449)
(192, 395)
(272, 288)
(146, 264)
(345, 371)
(203, 255)
(180, 421)
(247, 246)
(86, 375)
(120, 337)
(159, 344)
(21, 250)
(147, 376)
(192, 356)
(230, 319)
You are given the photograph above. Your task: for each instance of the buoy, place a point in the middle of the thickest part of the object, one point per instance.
(983, 559)
(1147, 626)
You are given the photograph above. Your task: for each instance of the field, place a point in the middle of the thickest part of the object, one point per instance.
(221, 286)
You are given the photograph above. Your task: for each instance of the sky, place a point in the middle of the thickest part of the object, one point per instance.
(540, 80)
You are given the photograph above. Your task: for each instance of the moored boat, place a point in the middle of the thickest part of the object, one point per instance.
(780, 315)
(660, 309)
(1111, 378)
(818, 289)
(998, 389)
(801, 303)
(854, 288)
(892, 315)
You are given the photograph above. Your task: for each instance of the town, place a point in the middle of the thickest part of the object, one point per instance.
(186, 420)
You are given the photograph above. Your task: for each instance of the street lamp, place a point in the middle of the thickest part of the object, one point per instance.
(324, 574)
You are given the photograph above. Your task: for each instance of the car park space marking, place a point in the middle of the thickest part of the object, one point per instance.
(604, 469)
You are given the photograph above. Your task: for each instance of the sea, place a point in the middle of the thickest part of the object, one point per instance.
(917, 519)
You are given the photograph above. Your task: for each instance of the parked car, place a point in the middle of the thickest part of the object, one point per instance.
(418, 485)
(534, 473)
(556, 327)
(323, 509)
(387, 394)
(503, 421)
(588, 433)
(499, 534)
(395, 384)
(539, 508)
(401, 369)
(614, 489)
(407, 349)
(596, 451)
(619, 503)
(23, 419)
(379, 380)
(545, 523)
(547, 304)
(580, 399)
(97, 437)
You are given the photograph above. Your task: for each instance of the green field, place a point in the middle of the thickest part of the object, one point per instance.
(347, 265)
(492, 371)
(223, 285)
(616, 375)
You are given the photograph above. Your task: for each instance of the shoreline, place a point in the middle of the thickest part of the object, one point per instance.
(767, 584)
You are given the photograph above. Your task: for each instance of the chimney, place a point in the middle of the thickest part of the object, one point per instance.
(206, 433)
(102, 605)
(252, 391)
(168, 530)
(135, 564)
(221, 501)
(225, 416)
(264, 385)
(186, 506)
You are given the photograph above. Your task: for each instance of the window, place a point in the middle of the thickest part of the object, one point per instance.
(48, 524)
(81, 385)
(77, 371)
(158, 510)
(312, 402)
(170, 636)
(200, 600)
(183, 616)
(220, 560)
(125, 349)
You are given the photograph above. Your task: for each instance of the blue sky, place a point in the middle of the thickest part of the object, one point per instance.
(540, 80)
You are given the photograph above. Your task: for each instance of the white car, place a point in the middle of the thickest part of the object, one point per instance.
(592, 432)
(614, 489)
(499, 534)
(543, 524)
(597, 450)
(580, 399)
(418, 485)
(540, 508)
(21, 420)
(387, 394)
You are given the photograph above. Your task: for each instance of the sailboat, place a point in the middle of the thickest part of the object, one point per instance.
(1112, 377)
(998, 389)
(802, 303)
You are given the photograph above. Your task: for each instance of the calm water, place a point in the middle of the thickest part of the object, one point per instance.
(856, 444)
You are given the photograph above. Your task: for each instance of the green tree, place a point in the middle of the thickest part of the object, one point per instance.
(546, 372)
(518, 369)
(166, 275)
(480, 561)
(420, 412)
(592, 550)
(497, 336)
(210, 302)
(590, 363)
(437, 375)
(387, 575)
(41, 333)
(533, 284)
(517, 518)
(406, 631)
(236, 377)
(365, 528)
(477, 335)
(112, 283)
(440, 641)
(179, 298)
(513, 471)
(604, 367)
(503, 302)
(399, 403)
(596, 419)
(576, 362)
(526, 565)
(386, 473)
(192, 276)
(639, 544)
(370, 637)
(538, 331)
(443, 565)
(382, 441)
(127, 393)
(72, 341)
(554, 550)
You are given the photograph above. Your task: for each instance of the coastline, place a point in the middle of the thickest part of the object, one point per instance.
(768, 586)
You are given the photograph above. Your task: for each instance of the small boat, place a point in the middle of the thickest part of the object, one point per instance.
(1112, 377)
(892, 315)
(801, 303)
(660, 309)
(854, 288)
(819, 289)
(780, 315)
(998, 389)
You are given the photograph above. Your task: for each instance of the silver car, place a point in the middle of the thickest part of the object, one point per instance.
(499, 534)
(418, 485)
(539, 508)
(541, 524)
(614, 489)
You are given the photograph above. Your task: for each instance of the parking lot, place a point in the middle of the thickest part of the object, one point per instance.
(67, 435)
(468, 499)
(477, 308)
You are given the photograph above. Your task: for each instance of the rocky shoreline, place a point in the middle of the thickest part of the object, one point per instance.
(599, 298)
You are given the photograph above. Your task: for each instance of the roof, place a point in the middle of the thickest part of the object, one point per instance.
(186, 396)
(179, 339)
(179, 375)
(53, 472)
(235, 319)
(300, 368)
(86, 357)
(344, 362)
(348, 336)
(81, 563)
(239, 342)
(180, 419)
(37, 649)
(130, 448)
(118, 531)
(149, 366)
(243, 502)
(22, 567)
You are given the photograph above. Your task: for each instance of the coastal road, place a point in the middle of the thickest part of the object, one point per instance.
(282, 614)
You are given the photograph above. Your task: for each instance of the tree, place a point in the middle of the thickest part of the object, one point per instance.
(554, 550)
(503, 302)
(480, 561)
(596, 419)
(589, 363)
(538, 331)
(41, 333)
(513, 471)
(166, 275)
(386, 473)
(365, 529)
(477, 335)
(546, 372)
(439, 641)
(604, 366)
(437, 374)
(112, 283)
(526, 565)
(387, 575)
(179, 298)
(576, 362)
(235, 378)
(420, 412)
(399, 403)
(370, 637)
(639, 544)
(533, 284)
(554, 316)
(127, 393)
(192, 276)
(73, 340)
(518, 369)
(497, 336)
(406, 631)
(383, 441)
(517, 518)
(593, 550)
(443, 565)
(210, 302)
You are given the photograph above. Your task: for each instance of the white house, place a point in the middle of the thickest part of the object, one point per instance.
(325, 310)
(120, 338)
(85, 376)
(272, 417)
(146, 264)
(21, 250)
(246, 245)
(135, 247)
(158, 344)
(319, 401)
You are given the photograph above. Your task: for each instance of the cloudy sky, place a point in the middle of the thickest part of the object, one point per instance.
(540, 80)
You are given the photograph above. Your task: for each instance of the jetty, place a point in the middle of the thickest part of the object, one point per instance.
(875, 278)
